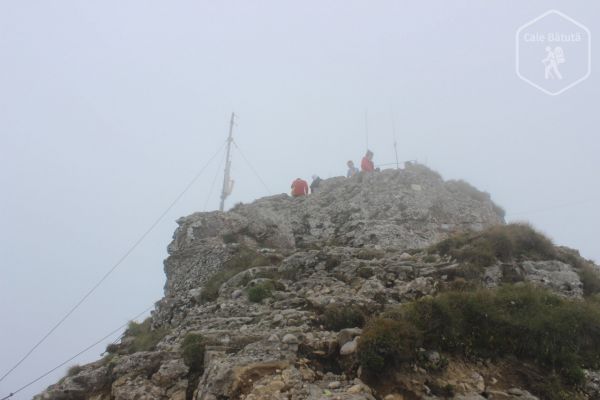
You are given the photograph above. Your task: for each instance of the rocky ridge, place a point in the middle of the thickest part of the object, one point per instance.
(263, 284)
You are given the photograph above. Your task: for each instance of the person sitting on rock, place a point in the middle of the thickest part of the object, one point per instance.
(316, 182)
(299, 188)
(367, 162)
(352, 170)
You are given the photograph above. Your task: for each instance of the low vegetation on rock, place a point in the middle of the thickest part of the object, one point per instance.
(560, 336)
(193, 347)
(498, 243)
(260, 291)
(144, 338)
(386, 343)
(506, 243)
(74, 370)
(340, 316)
(244, 259)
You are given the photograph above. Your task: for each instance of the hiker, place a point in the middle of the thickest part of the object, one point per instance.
(299, 188)
(553, 58)
(316, 182)
(367, 162)
(352, 170)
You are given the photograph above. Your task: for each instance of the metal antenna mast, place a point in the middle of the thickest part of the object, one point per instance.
(395, 143)
(227, 182)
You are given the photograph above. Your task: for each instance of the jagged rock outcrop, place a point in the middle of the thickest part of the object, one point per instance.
(256, 284)
(405, 209)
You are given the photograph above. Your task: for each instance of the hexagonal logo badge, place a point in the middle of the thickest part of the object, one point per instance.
(553, 52)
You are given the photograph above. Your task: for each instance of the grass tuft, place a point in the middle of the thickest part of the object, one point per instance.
(144, 337)
(243, 260)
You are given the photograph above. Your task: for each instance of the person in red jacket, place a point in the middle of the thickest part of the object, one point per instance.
(367, 162)
(299, 188)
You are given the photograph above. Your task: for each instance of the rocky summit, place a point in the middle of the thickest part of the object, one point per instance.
(390, 285)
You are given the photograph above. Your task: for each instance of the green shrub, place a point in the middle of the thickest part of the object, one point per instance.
(193, 348)
(529, 323)
(144, 337)
(243, 260)
(339, 316)
(229, 238)
(74, 370)
(112, 348)
(552, 387)
(365, 272)
(502, 242)
(260, 291)
(560, 336)
(387, 343)
(590, 277)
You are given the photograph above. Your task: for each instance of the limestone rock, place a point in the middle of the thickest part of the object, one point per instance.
(170, 372)
(554, 275)
(290, 339)
(592, 384)
(356, 246)
(137, 389)
(349, 348)
(374, 209)
(346, 335)
(394, 396)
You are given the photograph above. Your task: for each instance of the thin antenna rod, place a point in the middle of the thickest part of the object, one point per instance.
(395, 142)
(367, 126)
(227, 182)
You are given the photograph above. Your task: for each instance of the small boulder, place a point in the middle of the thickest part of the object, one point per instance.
(334, 385)
(170, 372)
(277, 318)
(394, 396)
(349, 348)
(290, 339)
(346, 335)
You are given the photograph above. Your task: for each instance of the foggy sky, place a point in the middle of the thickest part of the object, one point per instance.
(109, 108)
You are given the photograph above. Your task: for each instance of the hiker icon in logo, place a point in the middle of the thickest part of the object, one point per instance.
(553, 52)
(553, 58)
